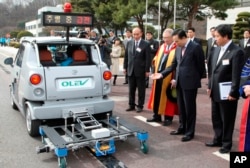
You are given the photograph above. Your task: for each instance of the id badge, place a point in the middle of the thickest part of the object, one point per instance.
(225, 62)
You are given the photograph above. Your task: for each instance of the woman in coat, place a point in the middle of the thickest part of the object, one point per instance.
(115, 55)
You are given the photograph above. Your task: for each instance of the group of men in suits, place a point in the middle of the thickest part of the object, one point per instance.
(224, 60)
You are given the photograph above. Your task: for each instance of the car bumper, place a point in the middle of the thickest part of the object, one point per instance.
(60, 109)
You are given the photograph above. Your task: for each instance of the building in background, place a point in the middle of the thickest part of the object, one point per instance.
(35, 26)
(232, 15)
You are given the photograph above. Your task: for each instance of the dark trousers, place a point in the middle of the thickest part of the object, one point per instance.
(139, 83)
(126, 79)
(146, 82)
(158, 85)
(186, 100)
(223, 119)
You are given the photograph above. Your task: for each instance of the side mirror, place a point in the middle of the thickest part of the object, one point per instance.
(9, 61)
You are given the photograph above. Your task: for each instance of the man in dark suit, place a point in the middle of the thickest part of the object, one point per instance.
(137, 66)
(191, 36)
(211, 44)
(111, 39)
(128, 36)
(226, 64)
(245, 43)
(154, 45)
(189, 64)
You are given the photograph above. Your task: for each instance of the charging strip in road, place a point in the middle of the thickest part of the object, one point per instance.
(141, 118)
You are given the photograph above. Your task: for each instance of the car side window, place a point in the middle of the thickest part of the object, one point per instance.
(19, 56)
(94, 54)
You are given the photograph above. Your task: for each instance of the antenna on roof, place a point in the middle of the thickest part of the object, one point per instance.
(67, 8)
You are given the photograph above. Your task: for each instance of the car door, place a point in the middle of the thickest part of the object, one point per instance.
(16, 73)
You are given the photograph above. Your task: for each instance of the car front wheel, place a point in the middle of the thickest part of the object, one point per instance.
(12, 103)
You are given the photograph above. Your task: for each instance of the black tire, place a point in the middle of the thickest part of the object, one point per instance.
(12, 103)
(32, 125)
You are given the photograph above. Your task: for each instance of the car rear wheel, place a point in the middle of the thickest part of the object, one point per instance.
(32, 125)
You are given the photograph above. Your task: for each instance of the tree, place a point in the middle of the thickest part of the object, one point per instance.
(167, 12)
(14, 34)
(24, 33)
(115, 13)
(106, 13)
(200, 9)
(86, 6)
(242, 24)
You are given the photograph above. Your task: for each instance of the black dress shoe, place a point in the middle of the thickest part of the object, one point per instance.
(167, 122)
(186, 138)
(130, 109)
(154, 120)
(224, 150)
(138, 110)
(125, 83)
(212, 144)
(178, 132)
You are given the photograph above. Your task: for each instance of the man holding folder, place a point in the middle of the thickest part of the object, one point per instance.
(226, 64)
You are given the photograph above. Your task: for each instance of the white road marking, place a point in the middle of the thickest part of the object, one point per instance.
(141, 118)
(119, 98)
(223, 156)
(155, 124)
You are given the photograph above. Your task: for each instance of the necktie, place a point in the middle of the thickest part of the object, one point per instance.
(163, 59)
(136, 45)
(222, 50)
(183, 51)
